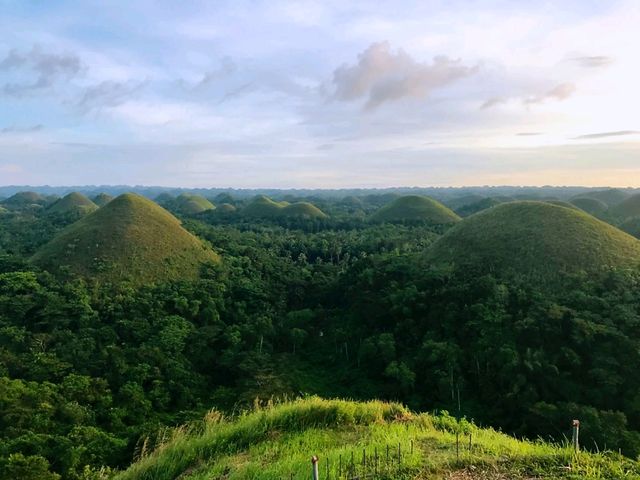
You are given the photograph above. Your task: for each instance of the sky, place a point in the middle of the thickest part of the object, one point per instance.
(320, 94)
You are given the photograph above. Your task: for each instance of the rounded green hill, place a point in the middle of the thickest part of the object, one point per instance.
(534, 238)
(74, 203)
(592, 206)
(23, 199)
(631, 226)
(304, 210)
(610, 197)
(628, 208)
(189, 204)
(415, 208)
(225, 208)
(263, 206)
(102, 199)
(131, 238)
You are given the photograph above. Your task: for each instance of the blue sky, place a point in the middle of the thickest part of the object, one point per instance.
(320, 94)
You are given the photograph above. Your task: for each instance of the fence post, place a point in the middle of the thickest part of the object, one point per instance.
(314, 466)
(576, 431)
(470, 442)
(340, 466)
(458, 446)
(399, 456)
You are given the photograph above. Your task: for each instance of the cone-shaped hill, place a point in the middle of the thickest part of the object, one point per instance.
(189, 204)
(592, 206)
(610, 197)
(631, 226)
(225, 208)
(72, 204)
(415, 208)
(102, 199)
(263, 206)
(23, 199)
(131, 238)
(628, 208)
(534, 239)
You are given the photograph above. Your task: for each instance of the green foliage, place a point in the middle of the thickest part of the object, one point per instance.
(535, 238)
(188, 204)
(628, 208)
(610, 197)
(72, 204)
(131, 238)
(102, 199)
(593, 206)
(415, 208)
(263, 207)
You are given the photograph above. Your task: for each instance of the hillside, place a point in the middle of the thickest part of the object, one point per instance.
(129, 238)
(478, 206)
(360, 440)
(631, 226)
(528, 237)
(72, 204)
(610, 197)
(415, 208)
(630, 207)
(23, 199)
(264, 207)
(225, 208)
(189, 204)
(592, 206)
(102, 199)
(302, 209)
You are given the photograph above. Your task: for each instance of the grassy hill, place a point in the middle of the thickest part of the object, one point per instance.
(631, 226)
(74, 203)
(102, 199)
(630, 207)
(610, 197)
(528, 237)
(189, 204)
(225, 208)
(360, 440)
(415, 207)
(23, 199)
(264, 207)
(302, 209)
(130, 238)
(592, 206)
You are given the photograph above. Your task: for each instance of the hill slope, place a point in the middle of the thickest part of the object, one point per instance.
(73, 203)
(130, 238)
(415, 207)
(592, 206)
(189, 204)
(527, 237)
(23, 199)
(610, 197)
(102, 199)
(360, 440)
(264, 207)
(628, 208)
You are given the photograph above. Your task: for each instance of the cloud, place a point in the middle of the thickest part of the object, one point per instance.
(227, 68)
(528, 134)
(618, 133)
(492, 102)
(16, 129)
(382, 75)
(559, 92)
(594, 61)
(108, 94)
(47, 68)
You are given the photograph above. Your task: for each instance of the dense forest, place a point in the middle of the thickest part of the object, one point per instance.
(339, 303)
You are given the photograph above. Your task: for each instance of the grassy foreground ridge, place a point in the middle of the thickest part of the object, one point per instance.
(277, 442)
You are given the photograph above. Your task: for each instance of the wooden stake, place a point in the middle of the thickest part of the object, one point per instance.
(314, 466)
(576, 432)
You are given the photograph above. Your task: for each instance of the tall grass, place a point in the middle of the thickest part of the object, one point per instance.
(277, 441)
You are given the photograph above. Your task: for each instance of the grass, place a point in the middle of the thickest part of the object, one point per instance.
(102, 199)
(131, 238)
(24, 198)
(527, 237)
(628, 208)
(277, 441)
(264, 207)
(189, 204)
(415, 207)
(610, 197)
(592, 206)
(75, 203)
